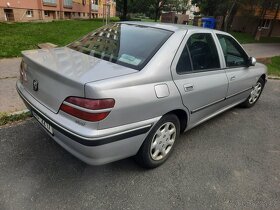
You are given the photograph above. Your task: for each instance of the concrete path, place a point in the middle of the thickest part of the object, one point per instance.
(262, 50)
(9, 72)
(9, 99)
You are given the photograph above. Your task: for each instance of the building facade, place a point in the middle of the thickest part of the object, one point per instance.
(46, 10)
(249, 19)
(192, 9)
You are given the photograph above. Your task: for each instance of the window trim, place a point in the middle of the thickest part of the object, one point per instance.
(184, 44)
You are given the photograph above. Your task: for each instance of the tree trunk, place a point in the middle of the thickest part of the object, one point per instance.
(274, 20)
(261, 18)
(124, 17)
(157, 10)
(229, 16)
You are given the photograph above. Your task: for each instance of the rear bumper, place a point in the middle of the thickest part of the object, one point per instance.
(103, 146)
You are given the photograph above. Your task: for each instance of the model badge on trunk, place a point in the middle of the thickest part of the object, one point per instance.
(35, 85)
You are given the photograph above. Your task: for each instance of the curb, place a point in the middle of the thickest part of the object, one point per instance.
(274, 77)
(18, 112)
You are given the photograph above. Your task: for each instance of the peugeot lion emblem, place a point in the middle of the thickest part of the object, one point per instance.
(35, 85)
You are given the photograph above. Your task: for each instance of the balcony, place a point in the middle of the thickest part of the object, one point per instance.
(94, 7)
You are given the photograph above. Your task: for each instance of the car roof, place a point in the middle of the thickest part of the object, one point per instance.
(169, 26)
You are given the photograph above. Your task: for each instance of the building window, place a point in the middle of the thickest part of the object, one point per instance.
(68, 3)
(266, 23)
(79, 14)
(29, 13)
(50, 1)
(47, 13)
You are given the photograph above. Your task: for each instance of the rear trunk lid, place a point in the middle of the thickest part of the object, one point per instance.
(54, 74)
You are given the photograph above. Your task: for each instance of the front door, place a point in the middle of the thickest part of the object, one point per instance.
(199, 77)
(240, 78)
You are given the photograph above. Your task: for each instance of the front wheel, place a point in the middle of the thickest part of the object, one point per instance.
(254, 95)
(159, 143)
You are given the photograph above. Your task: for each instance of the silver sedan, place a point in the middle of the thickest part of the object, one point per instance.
(130, 88)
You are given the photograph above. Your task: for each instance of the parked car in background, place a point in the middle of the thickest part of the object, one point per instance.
(130, 88)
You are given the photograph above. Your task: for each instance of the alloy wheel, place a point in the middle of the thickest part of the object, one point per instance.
(255, 93)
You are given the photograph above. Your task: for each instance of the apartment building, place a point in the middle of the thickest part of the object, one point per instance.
(33, 10)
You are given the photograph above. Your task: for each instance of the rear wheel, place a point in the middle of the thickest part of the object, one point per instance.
(254, 95)
(159, 143)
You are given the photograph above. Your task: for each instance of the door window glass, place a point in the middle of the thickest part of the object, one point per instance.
(233, 53)
(203, 51)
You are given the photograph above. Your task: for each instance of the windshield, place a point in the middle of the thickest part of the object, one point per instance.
(128, 45)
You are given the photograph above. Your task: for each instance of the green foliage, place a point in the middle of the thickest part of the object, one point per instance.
(245, 38)
(213, 7)
(5, 118)
(17, 37)
(274, 66)
(149, 8)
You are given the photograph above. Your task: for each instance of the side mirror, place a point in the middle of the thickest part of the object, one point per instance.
(252, 61)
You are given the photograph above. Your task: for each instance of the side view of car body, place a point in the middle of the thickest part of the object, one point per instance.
(130, 88)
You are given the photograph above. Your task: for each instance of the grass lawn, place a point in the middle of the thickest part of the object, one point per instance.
(17, 37)
(274, 66)
(244, 38)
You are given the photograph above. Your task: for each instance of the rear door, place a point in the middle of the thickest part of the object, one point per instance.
(198, 75)
(239, 74)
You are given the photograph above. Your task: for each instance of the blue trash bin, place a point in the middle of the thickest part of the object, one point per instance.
(209, 22)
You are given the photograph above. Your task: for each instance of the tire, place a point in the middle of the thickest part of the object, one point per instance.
(163, 136)
(254, 95)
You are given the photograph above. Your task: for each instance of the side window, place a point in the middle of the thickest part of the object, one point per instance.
(184, 63)
(233, 53)
(203, 51)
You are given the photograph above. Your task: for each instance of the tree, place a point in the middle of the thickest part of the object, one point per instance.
(176, 6)
(122, 8)
(275, 17)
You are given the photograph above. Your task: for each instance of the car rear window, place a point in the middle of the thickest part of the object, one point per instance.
(125, 44)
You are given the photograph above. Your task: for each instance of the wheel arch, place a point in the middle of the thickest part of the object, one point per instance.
(263, 76)
(182, 116)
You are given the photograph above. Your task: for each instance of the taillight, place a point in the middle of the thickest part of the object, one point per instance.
(88, 109)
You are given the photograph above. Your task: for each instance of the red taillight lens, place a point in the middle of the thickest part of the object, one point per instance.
(85, 108)
(91, 104)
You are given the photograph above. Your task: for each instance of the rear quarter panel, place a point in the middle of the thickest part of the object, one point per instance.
(135, 95)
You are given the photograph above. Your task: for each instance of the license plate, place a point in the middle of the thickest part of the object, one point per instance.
(46, 125)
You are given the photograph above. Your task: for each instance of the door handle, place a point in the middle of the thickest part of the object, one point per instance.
(232, 78)
(188, 87)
